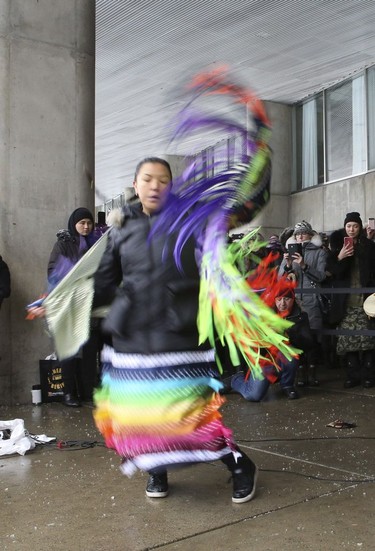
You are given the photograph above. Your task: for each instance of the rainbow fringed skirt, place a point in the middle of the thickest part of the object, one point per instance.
(161, 410)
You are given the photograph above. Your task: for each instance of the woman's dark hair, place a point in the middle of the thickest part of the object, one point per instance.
(152, 160)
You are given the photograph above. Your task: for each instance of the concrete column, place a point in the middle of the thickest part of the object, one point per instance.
(46, 147)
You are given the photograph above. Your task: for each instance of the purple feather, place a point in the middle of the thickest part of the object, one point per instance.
(198, 198)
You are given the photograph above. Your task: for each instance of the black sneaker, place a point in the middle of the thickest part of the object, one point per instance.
(227, 388)
(244, 480)
(351, 383)
(291, 393)
(71, 400)
(314, 381)
(157, 485)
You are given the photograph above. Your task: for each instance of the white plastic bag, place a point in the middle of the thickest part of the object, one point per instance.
(19, 441)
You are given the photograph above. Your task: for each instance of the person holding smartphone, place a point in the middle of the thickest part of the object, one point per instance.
(370, 229)
(305, 261)
(352, 265)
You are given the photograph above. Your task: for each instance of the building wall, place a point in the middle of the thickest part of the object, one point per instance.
(46, 149)
(325, 206)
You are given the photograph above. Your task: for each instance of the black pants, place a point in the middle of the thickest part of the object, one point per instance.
(69, 372)
(89, 371)
(314, 356)
(228, 460)
(81, 375)
(360, 366)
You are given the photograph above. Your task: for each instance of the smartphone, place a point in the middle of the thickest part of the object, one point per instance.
(371, 223)
(348, 241)
(294, 248)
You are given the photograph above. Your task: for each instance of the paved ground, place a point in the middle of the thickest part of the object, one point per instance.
(316, 487)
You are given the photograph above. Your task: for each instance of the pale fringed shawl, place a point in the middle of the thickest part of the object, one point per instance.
(69, 305)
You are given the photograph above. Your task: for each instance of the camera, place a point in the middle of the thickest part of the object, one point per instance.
(235, 237)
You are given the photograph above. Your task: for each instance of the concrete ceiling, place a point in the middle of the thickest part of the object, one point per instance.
(285, 50)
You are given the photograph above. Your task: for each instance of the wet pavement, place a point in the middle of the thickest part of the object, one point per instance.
(315, 491)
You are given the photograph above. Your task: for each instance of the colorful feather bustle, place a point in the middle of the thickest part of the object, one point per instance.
(241, 317)
(208, 207)
(265, 280)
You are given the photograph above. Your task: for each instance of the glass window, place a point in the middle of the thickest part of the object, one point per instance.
(220, 156)
(210, 161)
(346, 129)
(309, 143)
(371, 117)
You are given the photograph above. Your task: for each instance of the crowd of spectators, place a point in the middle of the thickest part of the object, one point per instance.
(333, 275)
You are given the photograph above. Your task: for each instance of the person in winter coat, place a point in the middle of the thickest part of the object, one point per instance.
(71, 245)
(300, 336)
(4, 280)
(352, 264)
(309, 270)
(157, 405)
(276, 248)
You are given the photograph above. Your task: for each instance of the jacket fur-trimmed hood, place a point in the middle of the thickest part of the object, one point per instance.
(315, 240)
(336, 239)
(117, 216)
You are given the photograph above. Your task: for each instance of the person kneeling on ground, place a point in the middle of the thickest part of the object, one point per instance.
(300, 336)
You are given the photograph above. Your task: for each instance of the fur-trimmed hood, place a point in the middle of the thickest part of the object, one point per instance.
(336, 239)
(315, 240)
(117, 216)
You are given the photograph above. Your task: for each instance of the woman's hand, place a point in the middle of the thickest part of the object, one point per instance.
(370, 232)
(298, 259)
(288, 260)
(347, 250)
(36, 312)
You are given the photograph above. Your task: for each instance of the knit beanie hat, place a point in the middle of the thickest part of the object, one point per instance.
(353, 217)
(76, 216)
(303, 227)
